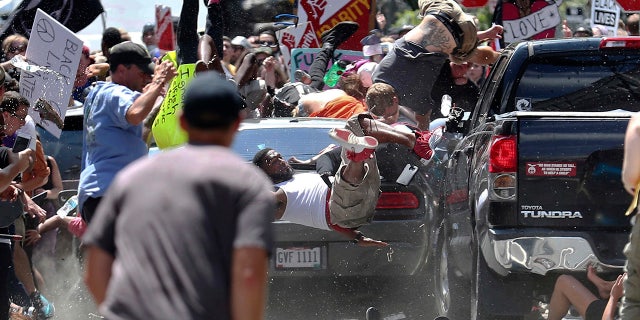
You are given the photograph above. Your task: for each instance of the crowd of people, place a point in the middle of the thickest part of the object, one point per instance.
(125, 216)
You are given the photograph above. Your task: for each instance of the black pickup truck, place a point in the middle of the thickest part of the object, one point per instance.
(532, 176)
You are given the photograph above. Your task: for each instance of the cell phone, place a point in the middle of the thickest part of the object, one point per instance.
(407, 174)
(22, 143)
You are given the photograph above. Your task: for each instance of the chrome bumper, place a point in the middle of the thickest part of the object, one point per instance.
(541, 255)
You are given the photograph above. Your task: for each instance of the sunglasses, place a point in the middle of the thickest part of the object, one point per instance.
(18, 49)
(269, 44)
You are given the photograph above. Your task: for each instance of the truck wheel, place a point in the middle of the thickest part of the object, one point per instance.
(452, 291)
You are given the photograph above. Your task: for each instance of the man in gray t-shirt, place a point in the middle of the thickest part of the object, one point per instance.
(186, 234)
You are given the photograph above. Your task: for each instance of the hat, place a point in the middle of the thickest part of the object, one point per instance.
(461, 25)
(266, 50)
(131, 53)
(149, 28)
(583, 32)
(241, 41)
(211, 101)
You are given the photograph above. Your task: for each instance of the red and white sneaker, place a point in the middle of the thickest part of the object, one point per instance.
(358, 148)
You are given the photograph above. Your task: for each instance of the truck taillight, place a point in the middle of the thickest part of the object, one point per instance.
(620, 43)
(397, 200)
(503, 155)
(503, 163)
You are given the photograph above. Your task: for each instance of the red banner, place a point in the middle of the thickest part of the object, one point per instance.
(317, 16)
(164, 30)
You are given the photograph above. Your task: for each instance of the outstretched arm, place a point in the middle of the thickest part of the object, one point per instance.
(616, 293)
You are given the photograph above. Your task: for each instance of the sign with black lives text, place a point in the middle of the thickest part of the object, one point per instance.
(605, 13)
(56, 50)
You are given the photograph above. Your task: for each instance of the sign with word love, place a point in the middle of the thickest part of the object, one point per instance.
(55, 51)
(537, 21)
(605, 13)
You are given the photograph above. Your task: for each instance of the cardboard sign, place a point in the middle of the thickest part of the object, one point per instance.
(166, 126)
(56, 50)
(317, 16)
(301, 58)
(539, 23)
(605, 14)
(164, 30)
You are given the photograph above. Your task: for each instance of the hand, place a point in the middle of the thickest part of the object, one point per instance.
(33, 209)
(566, 31)
(270, 63)
(9, 194)
(32, 236)
(495, 32)
(618, 289)
(164, 72)
(368, 242)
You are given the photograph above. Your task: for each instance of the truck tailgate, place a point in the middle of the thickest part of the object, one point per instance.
(569, 172)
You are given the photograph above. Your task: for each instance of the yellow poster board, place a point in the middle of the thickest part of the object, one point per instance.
(166, 126)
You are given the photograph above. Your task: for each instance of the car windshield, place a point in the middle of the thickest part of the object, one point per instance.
(589, 83)
(302, 143)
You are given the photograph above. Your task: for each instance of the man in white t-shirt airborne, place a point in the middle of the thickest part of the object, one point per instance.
(307, 200)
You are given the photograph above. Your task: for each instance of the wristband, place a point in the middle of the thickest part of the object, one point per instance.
(358, 238)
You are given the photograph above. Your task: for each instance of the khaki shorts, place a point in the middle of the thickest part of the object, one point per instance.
(352, 206)
(469, 39)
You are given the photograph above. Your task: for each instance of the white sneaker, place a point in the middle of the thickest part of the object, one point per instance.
(352, 142)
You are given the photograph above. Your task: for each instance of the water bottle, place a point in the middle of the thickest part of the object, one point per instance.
(68, 206)
(333, 75)
(29, 312)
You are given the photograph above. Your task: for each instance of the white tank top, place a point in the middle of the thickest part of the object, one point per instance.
(306, 200)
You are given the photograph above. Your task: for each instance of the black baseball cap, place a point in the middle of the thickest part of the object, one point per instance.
(129, 52)
(211, 101)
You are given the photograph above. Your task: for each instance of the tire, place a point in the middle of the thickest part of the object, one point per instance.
(452, 290)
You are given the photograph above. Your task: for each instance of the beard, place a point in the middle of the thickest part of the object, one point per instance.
(278, 177)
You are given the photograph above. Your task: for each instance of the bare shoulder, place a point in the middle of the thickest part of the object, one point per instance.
(432, 35)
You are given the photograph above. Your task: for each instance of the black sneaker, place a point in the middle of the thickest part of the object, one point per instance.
(335, 36)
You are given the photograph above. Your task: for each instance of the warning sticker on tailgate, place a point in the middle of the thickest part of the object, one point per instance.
(562, 169)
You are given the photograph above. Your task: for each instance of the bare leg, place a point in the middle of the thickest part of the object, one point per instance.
(604, 286)
(354, 172)
(569, 291)
(23, 269)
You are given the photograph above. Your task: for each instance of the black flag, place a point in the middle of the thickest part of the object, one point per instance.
(73, 14)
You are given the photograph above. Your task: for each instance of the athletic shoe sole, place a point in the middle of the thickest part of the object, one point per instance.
(348, 140)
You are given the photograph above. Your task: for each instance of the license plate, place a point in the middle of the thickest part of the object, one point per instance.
(299, 258)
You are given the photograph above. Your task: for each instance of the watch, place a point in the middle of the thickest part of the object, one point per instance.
(358, 238)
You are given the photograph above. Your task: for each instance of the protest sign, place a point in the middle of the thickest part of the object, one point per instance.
(166, 126)
(537, 21)
(605, 14)
(55, 50)
(301, 58)
(164, 30)
(317, 16)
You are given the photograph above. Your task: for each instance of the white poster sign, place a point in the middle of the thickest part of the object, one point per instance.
(605, 14)
(528, 26)
(55, 51)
